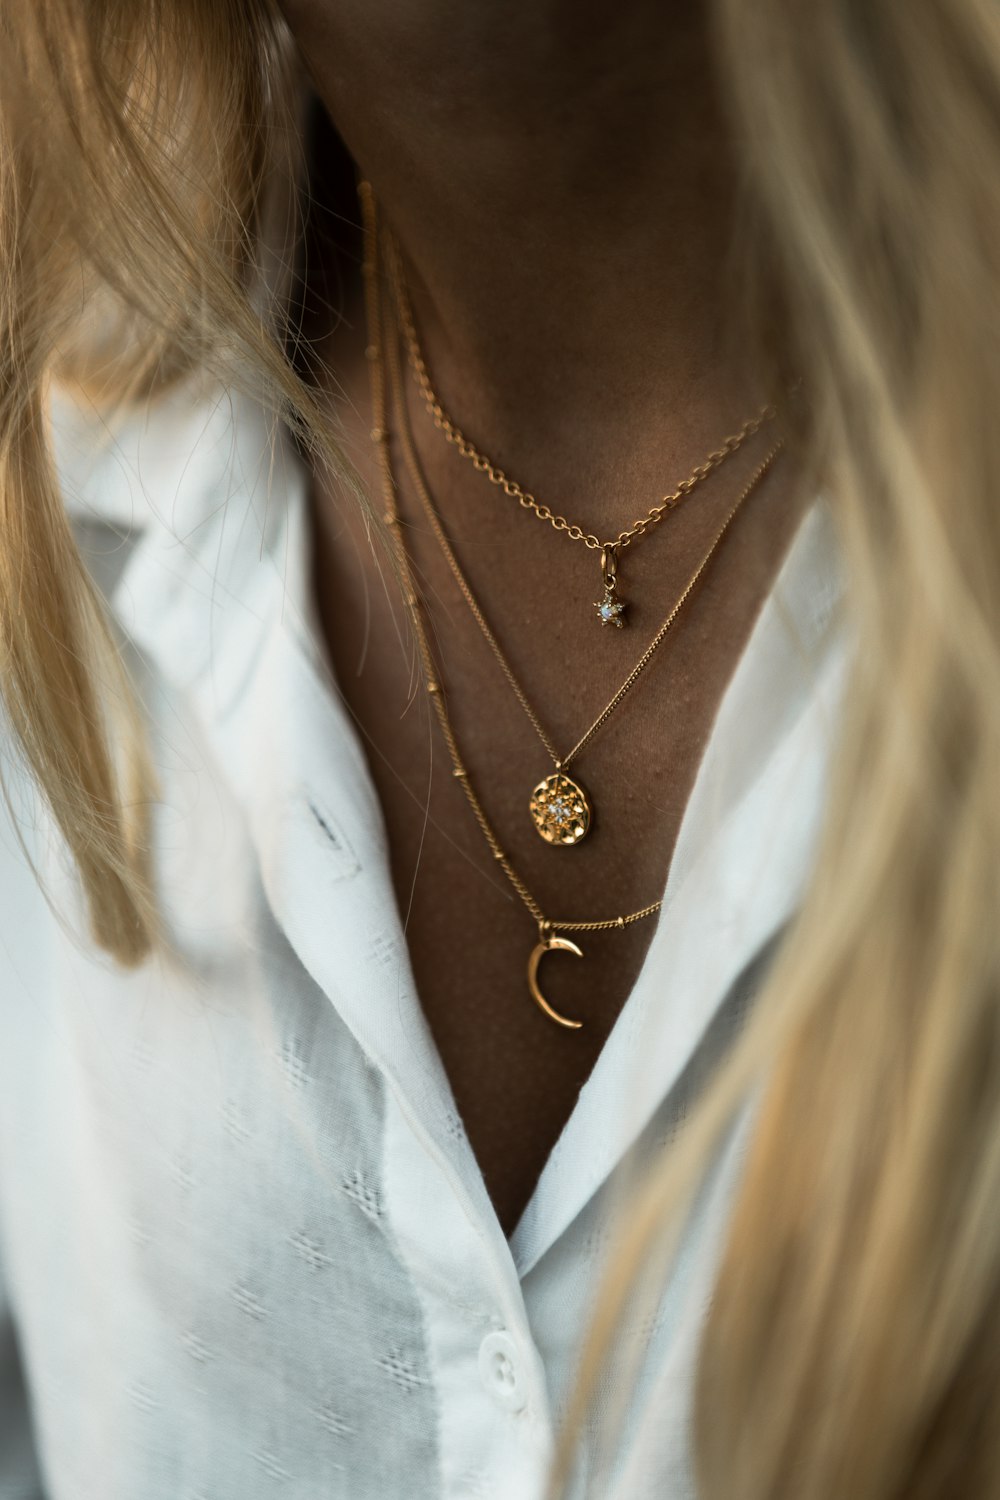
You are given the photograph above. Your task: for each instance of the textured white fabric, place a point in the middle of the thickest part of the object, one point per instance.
(245, 1250)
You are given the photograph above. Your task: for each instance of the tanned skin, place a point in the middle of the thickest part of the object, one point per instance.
(560, 178)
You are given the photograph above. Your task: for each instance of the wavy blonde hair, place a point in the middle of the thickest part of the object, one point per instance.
(853, 1342)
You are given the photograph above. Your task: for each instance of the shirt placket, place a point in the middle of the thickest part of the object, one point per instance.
(317, 827)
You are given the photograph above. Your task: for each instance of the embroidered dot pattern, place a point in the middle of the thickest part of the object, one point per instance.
(402, 1370)
(270, 1464)
(313, 1255)
(138, 1233)
(196, 1347)
(384, 950)
(182, 1171)
(141, 1054)
(330, 1418)
(234, 1121)
(363, 1193)
(294, 1065)
(141, 1396)
(246, 1259)
(248, 1302)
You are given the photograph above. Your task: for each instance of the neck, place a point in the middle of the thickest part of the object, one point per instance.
(563, 193)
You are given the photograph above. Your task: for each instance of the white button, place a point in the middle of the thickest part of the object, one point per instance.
(500, 1371)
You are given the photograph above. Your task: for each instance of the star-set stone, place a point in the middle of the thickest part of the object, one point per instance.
(560, 810)
(610, 609)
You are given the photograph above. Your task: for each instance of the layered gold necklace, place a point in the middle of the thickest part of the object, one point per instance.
(383, 356)
(561, 809)
(610, 608)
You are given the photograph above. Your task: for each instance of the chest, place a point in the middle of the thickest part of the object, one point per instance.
(516, 1075)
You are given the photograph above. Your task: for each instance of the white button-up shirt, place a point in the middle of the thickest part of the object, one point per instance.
(245, 1249)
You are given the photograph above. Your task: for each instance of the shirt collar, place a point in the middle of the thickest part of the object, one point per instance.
(212, 501)
(199, 486)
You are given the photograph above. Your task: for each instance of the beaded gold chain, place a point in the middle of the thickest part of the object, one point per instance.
(549, 930)
(561, 810)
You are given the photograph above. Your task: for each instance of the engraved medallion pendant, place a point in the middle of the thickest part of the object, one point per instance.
(560, 810)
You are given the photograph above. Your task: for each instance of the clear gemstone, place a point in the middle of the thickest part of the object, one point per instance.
(610, 610)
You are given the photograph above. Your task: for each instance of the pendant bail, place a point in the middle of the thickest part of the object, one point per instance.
(609, 565)
(610, 609)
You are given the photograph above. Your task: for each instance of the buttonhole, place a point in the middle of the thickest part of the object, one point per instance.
(334, 839)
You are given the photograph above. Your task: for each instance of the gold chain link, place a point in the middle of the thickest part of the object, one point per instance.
(497, 476)
(434, 520)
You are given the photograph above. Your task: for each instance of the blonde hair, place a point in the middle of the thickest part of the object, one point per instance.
(140, 148)
(851, 1345)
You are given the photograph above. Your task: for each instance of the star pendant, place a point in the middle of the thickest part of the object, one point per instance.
(610, 610)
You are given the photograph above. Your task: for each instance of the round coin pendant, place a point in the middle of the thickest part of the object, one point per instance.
(560, 810)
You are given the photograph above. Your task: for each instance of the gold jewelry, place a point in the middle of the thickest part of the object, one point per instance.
(549, 939)
(610, 607)
(560, 809)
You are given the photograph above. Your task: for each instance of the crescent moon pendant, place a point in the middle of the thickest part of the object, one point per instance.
(549, 945)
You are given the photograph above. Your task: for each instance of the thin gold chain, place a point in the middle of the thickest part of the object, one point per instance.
(434, 520)
(380, 435)
(381, 438)
(497, 476)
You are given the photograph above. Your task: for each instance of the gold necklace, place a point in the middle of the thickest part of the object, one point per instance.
(561, 810)
(610, 608)
(549, 939)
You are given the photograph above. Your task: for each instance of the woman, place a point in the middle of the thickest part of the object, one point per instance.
(322, 750)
